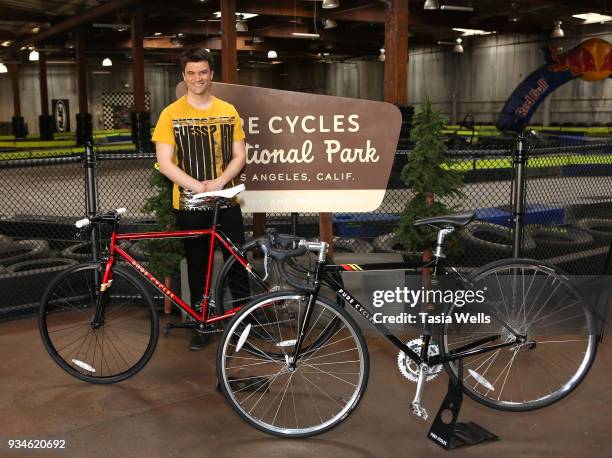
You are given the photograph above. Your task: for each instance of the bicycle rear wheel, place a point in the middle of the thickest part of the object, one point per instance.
(253, 365)
(537, 302)
(116, 349)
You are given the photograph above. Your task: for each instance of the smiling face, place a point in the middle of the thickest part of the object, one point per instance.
(198, 77)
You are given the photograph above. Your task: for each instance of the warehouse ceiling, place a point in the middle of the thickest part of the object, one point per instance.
(358, 32)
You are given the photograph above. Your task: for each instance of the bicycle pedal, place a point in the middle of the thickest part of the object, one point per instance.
(419, 411)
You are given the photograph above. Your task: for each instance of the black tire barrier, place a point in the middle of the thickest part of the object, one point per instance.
(351, 245)
(387, 243)
(84, 132)
(141, 130)
(80, 251)
(42, 263)
(600, 228)
(492, 238)
(46, 127)
(560, 237)
(12, 251)
(20, 128)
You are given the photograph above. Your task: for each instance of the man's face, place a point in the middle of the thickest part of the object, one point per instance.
(197, 76)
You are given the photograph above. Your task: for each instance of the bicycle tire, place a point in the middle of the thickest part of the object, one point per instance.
(325, 396)
(122, 345)
(533, 286)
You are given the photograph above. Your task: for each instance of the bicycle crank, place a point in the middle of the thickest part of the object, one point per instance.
(409, 369)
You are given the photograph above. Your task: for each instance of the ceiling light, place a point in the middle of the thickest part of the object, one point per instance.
(7, 43)
(272, 54)
(557, 31)
(33, 57)
(470, 32)
(468, 9)
(514, 16)
(180, 35)
(35, 29)
(329, 4)
(381, 56)
(3, 68)
(157, 34)
(107, 62)
(329, 24)
(431, 5)
(241, 26)
(593, 18)
(217, 14)
(458, 47)
(305, 35)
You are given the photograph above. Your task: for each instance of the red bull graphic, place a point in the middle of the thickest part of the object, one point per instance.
(591, 60)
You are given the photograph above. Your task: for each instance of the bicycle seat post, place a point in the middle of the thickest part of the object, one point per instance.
(442, 234)
(216, 212)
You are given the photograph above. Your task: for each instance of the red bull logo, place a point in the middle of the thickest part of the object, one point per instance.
(591, 60)
(532, 97)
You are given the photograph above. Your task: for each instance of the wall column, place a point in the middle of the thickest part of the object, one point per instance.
(84, 131)
(45, 120)
(141, 119)
(19, 128)
(396, 52)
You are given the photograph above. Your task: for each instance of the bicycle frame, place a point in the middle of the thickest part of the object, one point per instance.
(215, 235)
(458, 353)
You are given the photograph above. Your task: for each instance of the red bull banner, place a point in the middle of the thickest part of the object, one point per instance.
(591, 60)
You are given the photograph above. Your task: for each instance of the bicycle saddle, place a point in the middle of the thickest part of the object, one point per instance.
(227, 193)
(459, 219)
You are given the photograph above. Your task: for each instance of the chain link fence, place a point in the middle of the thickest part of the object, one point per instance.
(568, 217)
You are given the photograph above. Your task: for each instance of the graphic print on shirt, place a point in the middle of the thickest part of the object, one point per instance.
(203, 149)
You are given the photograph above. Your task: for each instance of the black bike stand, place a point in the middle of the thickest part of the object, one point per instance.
(446, 431)
(170, 325)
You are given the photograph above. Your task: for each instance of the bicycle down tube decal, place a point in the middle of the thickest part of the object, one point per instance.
(312, 152)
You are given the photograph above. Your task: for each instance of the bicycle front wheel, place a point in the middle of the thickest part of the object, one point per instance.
(119, 345)
(533, 300)
(257, 378)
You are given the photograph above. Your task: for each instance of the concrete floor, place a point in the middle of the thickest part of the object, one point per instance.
(171, 408)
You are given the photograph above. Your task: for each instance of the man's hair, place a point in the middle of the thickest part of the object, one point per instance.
(196, 55)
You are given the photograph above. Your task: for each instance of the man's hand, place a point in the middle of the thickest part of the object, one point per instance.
(212, 185)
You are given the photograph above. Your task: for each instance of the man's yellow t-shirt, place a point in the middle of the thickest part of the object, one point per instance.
(203, 140)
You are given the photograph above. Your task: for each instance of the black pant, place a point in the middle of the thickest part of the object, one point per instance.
(196, 248)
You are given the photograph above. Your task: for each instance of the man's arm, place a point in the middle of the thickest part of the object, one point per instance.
(165, 153)
(232, 170)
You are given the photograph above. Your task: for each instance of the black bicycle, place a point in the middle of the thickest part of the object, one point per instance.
(295, 364)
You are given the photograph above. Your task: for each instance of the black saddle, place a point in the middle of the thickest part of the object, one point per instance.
(459, 219)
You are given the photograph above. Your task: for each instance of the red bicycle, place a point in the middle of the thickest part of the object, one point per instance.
(98, 320)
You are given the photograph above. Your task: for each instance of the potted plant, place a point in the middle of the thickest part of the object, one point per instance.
(164, 255)
(429, 181)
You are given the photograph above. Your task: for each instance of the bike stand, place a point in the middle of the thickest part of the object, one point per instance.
(448, 433)
(171, 325)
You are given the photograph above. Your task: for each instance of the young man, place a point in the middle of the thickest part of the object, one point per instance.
(200, 147)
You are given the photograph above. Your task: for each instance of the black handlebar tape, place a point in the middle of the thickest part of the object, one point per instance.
(286, 241)
(281, 257)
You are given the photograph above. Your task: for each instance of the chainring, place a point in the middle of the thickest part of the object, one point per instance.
(409, 369)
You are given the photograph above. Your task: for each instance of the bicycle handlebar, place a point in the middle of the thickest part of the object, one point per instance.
(111, 215)
(282, 255)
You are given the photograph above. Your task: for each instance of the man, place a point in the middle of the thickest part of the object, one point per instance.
(200, 147)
